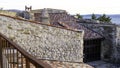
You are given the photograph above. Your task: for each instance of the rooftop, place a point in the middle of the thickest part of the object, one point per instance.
(23, 32)
(69, 22)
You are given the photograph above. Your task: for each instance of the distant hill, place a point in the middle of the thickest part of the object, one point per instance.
(88, 16)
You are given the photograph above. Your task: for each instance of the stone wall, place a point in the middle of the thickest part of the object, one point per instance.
(44, 42)
(111, 45)
(9, 13)
(116, 54)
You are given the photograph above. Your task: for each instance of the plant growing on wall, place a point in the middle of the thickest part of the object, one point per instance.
(93, 17)
(104, 18)
(79, 16)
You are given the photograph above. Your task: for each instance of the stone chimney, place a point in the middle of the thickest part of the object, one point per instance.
(45, 16)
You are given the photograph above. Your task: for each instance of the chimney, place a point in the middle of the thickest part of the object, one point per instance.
(45, 16)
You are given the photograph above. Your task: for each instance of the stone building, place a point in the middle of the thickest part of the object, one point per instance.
(95, 33)
(110, 46)
(92, 39)
(48, 44)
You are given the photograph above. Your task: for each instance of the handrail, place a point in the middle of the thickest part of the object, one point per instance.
(10, 44)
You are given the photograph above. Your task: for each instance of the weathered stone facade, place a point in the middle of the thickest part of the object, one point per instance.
(116, 41)
(111, 45)
(44, 42)
(63, 19)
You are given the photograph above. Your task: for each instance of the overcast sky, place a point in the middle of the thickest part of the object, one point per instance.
(71, 6)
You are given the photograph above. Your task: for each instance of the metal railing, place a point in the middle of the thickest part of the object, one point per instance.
(13, 56)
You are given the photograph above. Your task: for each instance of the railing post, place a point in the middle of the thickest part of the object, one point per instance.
(38, 67)
(27, 63)
(23, 58)
(1, 55)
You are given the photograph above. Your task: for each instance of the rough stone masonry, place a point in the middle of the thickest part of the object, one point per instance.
(44, 42)
(110, 49)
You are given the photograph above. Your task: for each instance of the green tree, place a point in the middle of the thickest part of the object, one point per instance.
(104, 18)
(93, 17)
(79, 16)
